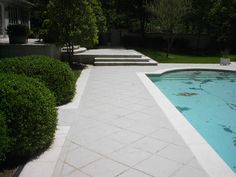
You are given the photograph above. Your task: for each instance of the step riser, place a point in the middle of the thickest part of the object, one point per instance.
(150, 63)
(77, 51)
(110, 56)
(125, 64)
(121, 60)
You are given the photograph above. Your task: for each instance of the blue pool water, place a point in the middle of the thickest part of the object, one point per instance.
(207, 99)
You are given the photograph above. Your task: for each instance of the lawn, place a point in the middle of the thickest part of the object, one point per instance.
(182, 58)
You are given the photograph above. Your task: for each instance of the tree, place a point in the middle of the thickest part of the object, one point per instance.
(169, 15)
(133, 11)
(109, 10)
(126, 14)
(222, 17)
(217, 18)
(198, 18)
(140, 13)
(100, 17)
(74, 22)
(38, 15)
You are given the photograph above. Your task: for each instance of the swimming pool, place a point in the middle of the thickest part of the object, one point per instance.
(207, 99)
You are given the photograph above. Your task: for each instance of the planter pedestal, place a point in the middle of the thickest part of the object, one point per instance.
(224, 61)
(18, 40)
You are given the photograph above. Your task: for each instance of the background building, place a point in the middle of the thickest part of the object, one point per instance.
(14, 12)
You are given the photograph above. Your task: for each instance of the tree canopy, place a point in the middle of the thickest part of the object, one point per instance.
(74, 22)
(101, 22)
(170, 15)
(216, 18)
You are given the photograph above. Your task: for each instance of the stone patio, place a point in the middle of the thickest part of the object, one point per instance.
(118, 130)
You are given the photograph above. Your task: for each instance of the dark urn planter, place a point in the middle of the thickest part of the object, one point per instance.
(18, 39)
(18, 34)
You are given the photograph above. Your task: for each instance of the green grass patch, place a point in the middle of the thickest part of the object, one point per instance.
(183, 58)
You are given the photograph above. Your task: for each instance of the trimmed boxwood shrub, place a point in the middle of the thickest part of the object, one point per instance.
(31, 116)
(57, 76)
(4, 139)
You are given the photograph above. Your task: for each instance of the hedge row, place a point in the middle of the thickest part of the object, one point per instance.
(28, 115)
(57, 76)
(4, 138)
(31, 117)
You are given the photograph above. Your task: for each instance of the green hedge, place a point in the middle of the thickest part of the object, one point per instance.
(57, 76)
(31, 116)
(4, 139)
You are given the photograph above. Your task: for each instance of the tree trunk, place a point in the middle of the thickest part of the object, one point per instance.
(142, 19)
(70, 52)
(198, 41)
(168, 47)
(170, 42)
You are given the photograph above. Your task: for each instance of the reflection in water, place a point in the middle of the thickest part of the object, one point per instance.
(188, 83)
(219, 78)
(186, 94)
(192, 88)
(206, 81)
(182, 109)
(232, 105)
(227, 129)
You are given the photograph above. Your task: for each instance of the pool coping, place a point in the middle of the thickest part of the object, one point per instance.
(210, 161)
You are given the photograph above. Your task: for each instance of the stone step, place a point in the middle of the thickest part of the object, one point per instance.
(112, 57)
(80, 50)
(75, 47)
(123, 59)
(108, 55)
(76, 51)
(150, 63)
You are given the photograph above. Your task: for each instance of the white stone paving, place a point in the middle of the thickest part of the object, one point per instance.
(119, 131)
(98, 52)
(44, 165)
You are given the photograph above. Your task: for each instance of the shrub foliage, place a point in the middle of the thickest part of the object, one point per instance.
(31, 117)
(57, 76)
(4, 139)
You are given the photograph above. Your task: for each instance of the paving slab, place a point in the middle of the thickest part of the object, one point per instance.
(45, 164)
(111, 52)
(118, 130)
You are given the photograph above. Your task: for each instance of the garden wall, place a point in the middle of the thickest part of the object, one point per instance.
(13, 50)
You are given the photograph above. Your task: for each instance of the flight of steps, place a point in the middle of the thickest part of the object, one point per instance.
(110, 57)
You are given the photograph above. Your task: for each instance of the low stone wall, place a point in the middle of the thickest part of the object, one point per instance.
(13, 50)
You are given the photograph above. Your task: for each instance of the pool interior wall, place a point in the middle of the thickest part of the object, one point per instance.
(206, 155)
